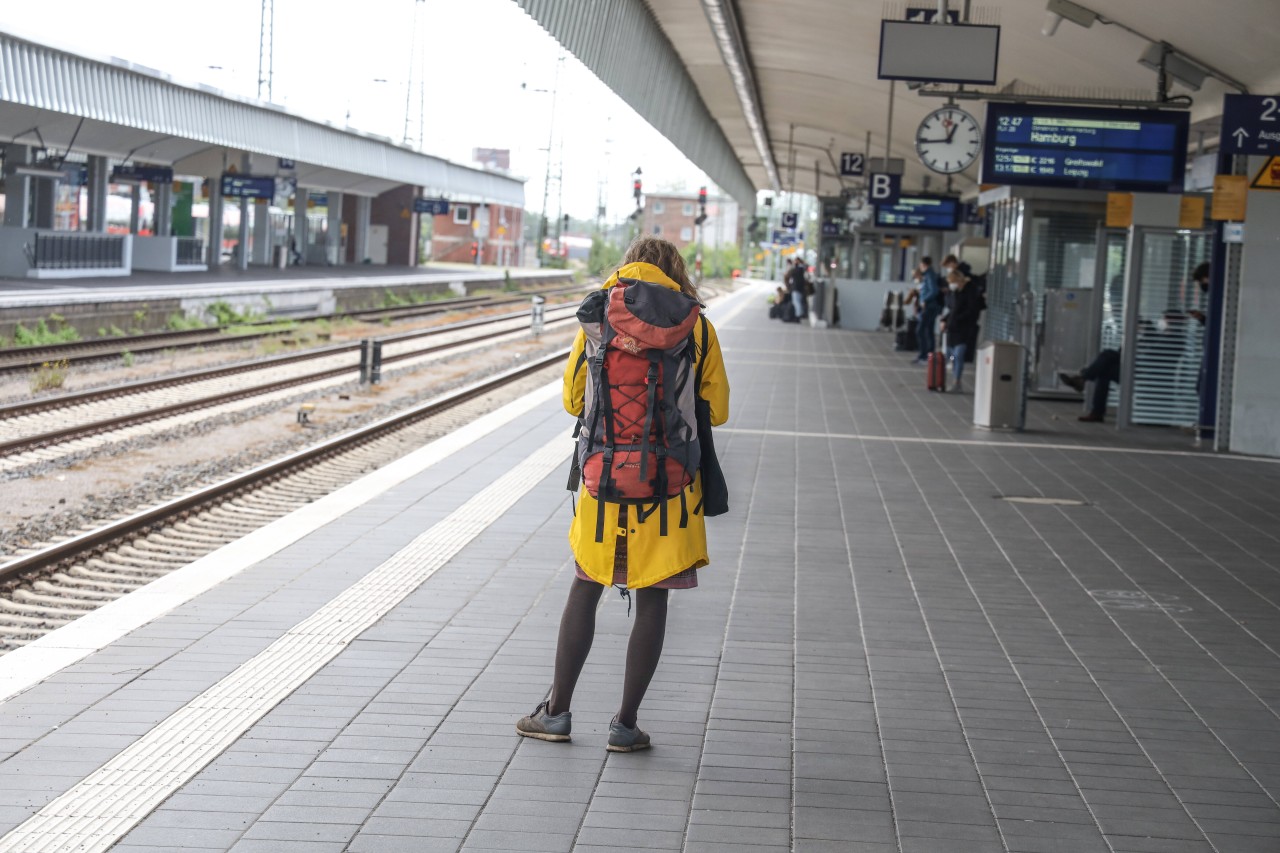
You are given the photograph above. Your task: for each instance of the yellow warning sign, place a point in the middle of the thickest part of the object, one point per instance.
(1191, 212)
(1230, 198)
(1268, 178)
(1119, 210)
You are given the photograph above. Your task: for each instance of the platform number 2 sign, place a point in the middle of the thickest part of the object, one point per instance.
(852, 164)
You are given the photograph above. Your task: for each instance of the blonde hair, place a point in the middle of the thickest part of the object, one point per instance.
(664, 255)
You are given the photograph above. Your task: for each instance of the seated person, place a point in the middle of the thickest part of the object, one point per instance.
(1102, 371)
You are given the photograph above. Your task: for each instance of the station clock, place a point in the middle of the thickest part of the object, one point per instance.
(949, 140)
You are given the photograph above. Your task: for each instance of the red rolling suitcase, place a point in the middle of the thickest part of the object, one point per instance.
(936, 370)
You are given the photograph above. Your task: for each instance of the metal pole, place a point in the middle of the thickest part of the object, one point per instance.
(888, 134)
(551, 135)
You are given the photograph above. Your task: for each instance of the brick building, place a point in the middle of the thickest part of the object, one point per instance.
(454, 232)
(671, 216)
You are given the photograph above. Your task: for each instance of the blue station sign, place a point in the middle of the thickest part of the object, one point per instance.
(927, 213)
(830, 229)
(433, 206)
(248, 186)
(1251, 124)
(1085, 148)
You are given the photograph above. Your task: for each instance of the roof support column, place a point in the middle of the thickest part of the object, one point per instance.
(98, 172)
(17, 188)
(242, 237)
(162, 197)
(301, 197)
(364, 213)
(44, 192)
(333, 238)
(262, 231)
(135, 205)
(213, 251)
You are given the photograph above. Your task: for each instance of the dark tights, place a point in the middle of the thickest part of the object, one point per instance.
(578, 629)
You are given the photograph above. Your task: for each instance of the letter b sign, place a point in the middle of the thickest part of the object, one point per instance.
(884, 189)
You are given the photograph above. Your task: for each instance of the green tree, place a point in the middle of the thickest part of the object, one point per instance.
(604, 257)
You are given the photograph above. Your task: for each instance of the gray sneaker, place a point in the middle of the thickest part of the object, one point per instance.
(623, 739)
(544, 726)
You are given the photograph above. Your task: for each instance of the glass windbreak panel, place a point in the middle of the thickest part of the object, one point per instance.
(1170, 340)
(1116, 247)
(1111, 335)
(1003, 284)
(1061, 254)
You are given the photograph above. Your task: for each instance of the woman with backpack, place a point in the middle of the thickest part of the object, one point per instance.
(651, 549)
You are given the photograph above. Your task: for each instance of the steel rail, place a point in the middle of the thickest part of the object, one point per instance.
(91, 395)
(26, 358)
(96, 540)
(45, 439)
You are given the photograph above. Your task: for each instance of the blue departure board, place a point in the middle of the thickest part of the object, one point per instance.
(919, 212)
(248, 186)
(1085, 148)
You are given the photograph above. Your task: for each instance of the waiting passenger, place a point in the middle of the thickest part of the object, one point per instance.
(1105, 369)
(964, 304)
(639, 556)
(931, 302)
(796, 285)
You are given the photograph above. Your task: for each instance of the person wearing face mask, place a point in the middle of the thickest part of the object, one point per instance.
(960, 322)
(977, 285)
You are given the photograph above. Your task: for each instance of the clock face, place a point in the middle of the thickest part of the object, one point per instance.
(949, 140)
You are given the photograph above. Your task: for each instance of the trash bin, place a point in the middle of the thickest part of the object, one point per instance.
(280, 256)
(998, 401)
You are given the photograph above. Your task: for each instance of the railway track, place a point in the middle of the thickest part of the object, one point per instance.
(47, 588)
(27, 358)
(46, 429)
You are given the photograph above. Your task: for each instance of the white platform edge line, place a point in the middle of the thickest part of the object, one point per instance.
(25, 667)
(103, 807)
(997, 445)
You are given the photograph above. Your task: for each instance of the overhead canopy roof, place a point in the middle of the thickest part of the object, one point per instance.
(813, 66)
(117, 109)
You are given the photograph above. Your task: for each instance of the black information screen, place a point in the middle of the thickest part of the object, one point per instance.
(919, 212)
(248, 186)
(1085, 148)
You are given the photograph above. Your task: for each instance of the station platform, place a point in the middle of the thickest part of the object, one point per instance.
(886, 655)
(226, 281)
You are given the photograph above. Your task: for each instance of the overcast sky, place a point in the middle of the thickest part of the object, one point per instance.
(329, 53)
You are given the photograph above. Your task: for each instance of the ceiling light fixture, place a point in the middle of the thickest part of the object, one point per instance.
(1159, 55)
(724, 26)
(1177, 66)
(1073, 12)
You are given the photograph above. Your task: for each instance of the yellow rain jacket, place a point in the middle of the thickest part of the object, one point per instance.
(650, 557)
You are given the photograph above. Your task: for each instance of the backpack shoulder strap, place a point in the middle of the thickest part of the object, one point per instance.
(702, 353)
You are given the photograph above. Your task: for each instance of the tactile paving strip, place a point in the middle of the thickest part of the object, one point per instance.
(106, 804)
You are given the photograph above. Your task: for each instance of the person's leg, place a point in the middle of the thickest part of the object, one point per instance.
(1105, 365)
(1101, 390)
(796, 303)
(644, 649)
(928, 320)
(957, 361)
(577, 630)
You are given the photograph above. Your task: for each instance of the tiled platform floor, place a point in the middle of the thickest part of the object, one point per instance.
(883, 657)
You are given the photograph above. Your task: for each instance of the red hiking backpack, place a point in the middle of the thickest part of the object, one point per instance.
(638, 435)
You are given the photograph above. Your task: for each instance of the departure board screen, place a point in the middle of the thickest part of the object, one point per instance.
(919, 213)
(1085, 148)
(248, 186)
